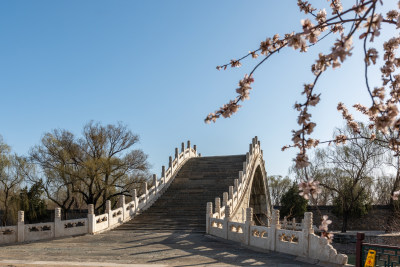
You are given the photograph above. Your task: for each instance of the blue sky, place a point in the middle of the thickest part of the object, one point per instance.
(151, 65)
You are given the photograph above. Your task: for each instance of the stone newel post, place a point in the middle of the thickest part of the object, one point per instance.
(225, 199)
(135, 199)
(236, 184)
(145, 192)
(155, 184)
(275, 225)
(109, 212)
(163, 174)
(21, 226)
(177, 156)
(231, 193)
(91, 219)
(218, 206)
(227, 219)
(284, 223)
(208, 216)
(121, 204)
(307, 230)
(58, 225)
(248, 223)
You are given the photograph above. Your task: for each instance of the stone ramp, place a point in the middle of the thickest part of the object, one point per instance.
(183, 205)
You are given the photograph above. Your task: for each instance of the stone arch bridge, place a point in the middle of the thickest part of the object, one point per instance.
(226, 197)
(198, 180)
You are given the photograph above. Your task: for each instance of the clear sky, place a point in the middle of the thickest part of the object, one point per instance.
(151, 65)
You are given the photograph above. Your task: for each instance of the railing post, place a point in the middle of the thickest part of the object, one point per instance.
(155, 183)
(195, 149)
(250, 149)
(274, 227)
(188, 147)
(241, 177)
(109, 212)
(58, 227)
(163, 174)
(183, 147)
(284, 223)
(21, 226)
(135, 199)
(307, 231)
(91, 219)
(231, 192)
(208, 216)
(248, 223)
(145, 192)
(231, 195)
(170, 166)
(224, 199)
(218, 206)
(177, 156)
(121, 204)
(360, 239)
(236, 184)
(227, 219)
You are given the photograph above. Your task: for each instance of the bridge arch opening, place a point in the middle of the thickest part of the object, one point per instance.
(258, 198)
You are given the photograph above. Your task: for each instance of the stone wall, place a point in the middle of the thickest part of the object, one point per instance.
(374, 220)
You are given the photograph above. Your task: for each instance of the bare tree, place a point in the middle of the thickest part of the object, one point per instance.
(351, 167)
(277, 187)
(98, 166)
(12, 170)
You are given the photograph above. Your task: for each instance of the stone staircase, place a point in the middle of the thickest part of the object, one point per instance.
(183, 204)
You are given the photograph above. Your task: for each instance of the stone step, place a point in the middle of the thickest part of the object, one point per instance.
(183, 205)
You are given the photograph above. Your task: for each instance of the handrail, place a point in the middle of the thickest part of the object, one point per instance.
(237, 192)
(111, 218)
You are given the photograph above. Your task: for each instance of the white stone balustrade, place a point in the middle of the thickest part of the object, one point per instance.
(302, 243)
(235, 193)
(110, 219)
(287, 237)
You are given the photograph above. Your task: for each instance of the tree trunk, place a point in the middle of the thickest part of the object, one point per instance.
(344, 222)
(5, 215)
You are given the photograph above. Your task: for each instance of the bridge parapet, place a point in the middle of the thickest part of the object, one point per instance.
(111, 218)
(240, 190)
(299, 242)
(282, 236)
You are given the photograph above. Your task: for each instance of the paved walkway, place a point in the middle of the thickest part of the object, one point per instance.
(134, 248)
